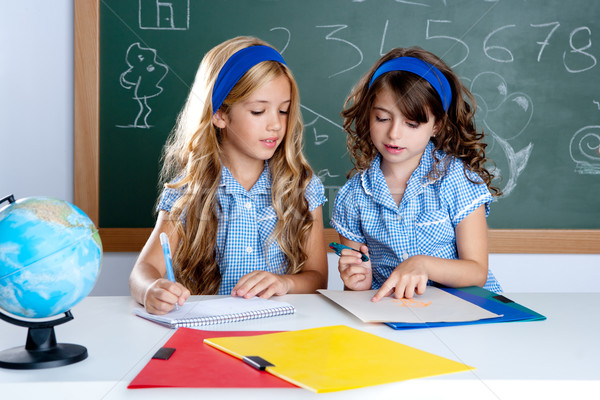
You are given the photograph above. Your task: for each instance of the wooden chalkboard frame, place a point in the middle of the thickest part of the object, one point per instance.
(87, 156)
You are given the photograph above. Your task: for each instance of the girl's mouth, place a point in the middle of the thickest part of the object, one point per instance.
(394, 149)
(270, 142)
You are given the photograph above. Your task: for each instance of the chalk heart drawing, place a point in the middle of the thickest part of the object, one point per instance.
(143, 78)
(505, 116)
(412, 303)
(584, 149)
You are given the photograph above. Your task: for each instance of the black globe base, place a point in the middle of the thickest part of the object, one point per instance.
(41, 349)
(59, 355)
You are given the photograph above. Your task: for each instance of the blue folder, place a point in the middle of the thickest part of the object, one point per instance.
(496, 303)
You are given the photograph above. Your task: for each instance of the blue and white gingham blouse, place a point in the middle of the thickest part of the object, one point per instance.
(365, 212)
(246, 220)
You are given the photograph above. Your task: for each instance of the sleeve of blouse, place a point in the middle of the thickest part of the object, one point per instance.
(168, 199)
(463, 196)
(346, 216)
(315, 193)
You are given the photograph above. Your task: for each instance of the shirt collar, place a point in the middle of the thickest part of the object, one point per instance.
(232, 186)
(374, 184)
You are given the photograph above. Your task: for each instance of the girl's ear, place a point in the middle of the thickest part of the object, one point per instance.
(218, 120)
(436, 128)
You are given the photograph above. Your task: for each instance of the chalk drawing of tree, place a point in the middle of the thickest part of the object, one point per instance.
(143, 77)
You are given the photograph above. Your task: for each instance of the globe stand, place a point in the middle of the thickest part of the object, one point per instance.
(41, 349)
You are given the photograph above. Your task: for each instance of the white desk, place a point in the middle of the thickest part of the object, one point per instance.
(556, 358)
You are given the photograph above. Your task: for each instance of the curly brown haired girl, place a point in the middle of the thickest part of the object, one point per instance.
(419, 192)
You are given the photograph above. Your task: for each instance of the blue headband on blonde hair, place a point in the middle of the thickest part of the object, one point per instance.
(236, 66)
(425, 70)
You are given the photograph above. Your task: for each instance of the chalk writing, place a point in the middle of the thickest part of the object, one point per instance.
(428, 36)
(412, 3)
(289, 37)
(330, 36)
(319, 138)
(325, 173)
(385, 28)
(546, 41)
(487, 49)
(580, 50)
(532, 66)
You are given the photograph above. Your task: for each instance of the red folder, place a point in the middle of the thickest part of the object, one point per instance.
(194, 364)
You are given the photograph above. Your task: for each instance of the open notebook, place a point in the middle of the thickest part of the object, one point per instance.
(219, 311)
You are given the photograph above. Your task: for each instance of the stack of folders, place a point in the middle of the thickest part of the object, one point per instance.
(439, 306)
(324, 359)
(219, 311)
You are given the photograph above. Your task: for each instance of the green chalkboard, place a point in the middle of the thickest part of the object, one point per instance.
(533, 66)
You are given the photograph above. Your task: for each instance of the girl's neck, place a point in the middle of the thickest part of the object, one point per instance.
(245, 173)
(396, 177)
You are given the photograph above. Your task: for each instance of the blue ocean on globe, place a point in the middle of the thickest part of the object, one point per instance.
(50, 257)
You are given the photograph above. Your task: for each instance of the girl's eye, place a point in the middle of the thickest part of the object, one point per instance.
(285, 112)
(381, 119)
(413, 124)
(256, 112)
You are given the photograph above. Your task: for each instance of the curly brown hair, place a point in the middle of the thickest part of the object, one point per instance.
(456, 136)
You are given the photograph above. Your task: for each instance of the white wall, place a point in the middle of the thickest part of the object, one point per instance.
(36, 146)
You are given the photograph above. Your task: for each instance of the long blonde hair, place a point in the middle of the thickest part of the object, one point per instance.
(193, 153)
(456, 136)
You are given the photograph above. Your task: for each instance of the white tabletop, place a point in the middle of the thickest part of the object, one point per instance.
(555, 358)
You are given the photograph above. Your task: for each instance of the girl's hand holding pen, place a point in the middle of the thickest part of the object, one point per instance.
(162, 296)
(355, 273)
(165, 294)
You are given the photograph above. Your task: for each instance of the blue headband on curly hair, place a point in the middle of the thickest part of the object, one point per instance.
(236, 66)
(425, 70)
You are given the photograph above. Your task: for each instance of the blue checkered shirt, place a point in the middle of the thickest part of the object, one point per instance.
(365, 212)
(246, 220)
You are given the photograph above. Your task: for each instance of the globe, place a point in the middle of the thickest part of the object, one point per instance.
(50, 256)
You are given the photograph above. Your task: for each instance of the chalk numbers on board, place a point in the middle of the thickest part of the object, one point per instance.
(337, 28)
(577, 50)
(576, 53)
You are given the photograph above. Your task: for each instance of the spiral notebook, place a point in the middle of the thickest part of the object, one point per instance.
(219, 311)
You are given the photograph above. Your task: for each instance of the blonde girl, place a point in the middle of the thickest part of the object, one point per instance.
(240, 204)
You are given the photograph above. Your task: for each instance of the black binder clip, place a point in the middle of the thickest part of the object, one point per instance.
(164, 353)
(257, 362)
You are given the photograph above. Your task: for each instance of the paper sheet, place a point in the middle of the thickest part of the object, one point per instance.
(435, 305)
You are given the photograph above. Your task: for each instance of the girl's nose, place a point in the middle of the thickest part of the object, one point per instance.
(275, 121)
(395, 131)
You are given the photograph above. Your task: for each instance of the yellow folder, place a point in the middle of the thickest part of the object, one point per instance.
(336, 358)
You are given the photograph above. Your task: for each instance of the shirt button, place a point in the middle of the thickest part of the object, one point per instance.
(405, 255)
(249, 249)
(399, 217)
(248, 205)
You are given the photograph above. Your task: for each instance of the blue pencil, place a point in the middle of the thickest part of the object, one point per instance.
(164, 241)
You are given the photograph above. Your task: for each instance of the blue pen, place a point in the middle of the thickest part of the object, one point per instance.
(339, 247)
(164, 241)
